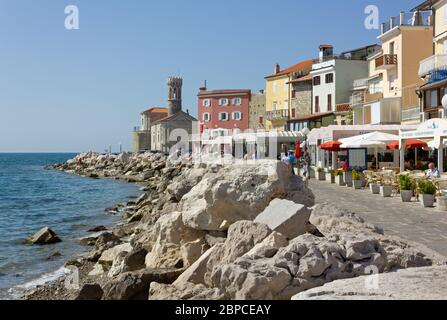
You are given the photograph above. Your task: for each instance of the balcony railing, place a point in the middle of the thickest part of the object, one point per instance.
(360, 83)
(386, 61)
(357, 99)
(433, 63)
(417, 18)
(277, 115)
(373, 96)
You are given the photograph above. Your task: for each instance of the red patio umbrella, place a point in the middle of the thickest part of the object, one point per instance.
(298, 150)
(410, 144)
(333, 146)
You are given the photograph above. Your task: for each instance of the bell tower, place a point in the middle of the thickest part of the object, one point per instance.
(174, 95)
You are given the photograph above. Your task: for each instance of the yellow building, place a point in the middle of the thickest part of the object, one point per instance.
(278, 94)
(390, 91)
(434, 68)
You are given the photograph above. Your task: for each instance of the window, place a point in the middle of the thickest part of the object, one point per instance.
(317, 81)
(317, 104)
(274, 87)
(286, 104)
(223, 116)
(237, 101)
(286, 86)
(206, 117)
(274, 106)
(223, 102)
(261, 119)
(330, 78)
(237, 116)
(392, 48)
(293, 113)
(329, 102)
(206, 103)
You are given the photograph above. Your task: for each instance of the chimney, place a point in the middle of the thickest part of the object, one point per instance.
(261, 91)
(277, 68)
(204, 87)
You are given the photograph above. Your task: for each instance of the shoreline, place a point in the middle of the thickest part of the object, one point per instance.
(194, 229)
(19, 291)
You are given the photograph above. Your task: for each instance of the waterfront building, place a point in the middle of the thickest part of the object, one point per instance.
(223, 109)
(279, 94)
(141, 136)
(174, 130)
(433, 69)
(388, 94)
(257, 111)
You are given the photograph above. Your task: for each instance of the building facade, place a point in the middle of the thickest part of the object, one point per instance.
(279, 94)
(173, 131)
(333, 75)
(393, 80)
(257, 111)
(223, 109)
(141, 136)
(433, 69)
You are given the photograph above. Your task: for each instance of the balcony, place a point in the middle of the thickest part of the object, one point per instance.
(277, 115)
(357, 100)
(417, 18)
(435, 67)
(386, 61)
(373, 96)
(360, 83)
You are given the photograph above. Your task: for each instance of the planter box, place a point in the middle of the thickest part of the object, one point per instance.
(321, 176)
(330, 177)
(406, 195)
(348, 179)
(427, 200)
(340, 181)
(375, 188)
(386, 191)
(357, 184)
(441, 203)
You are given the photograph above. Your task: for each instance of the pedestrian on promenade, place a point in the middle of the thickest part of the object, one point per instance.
(432, 172)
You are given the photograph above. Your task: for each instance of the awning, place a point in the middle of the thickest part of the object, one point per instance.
(409, 144)
(333, 146)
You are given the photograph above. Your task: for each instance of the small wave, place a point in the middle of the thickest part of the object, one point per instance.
(44, 279)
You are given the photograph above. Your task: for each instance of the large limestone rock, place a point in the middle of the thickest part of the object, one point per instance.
(44, 236)
(185, 182)
(429, 283)
(236, 193)
(184, 291)
(135, 285)
(174, 245)
(107, 258)
(309, 262)
(286, 217)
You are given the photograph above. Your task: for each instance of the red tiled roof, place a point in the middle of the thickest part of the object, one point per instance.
(302, 79)
(224, 91)
(156, 110)
(303, 65)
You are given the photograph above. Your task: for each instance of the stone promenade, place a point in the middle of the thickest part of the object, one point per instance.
(406, 220)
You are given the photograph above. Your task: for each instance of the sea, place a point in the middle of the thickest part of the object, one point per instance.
(32, 197)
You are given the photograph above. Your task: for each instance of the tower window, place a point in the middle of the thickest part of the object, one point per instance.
(223, 102)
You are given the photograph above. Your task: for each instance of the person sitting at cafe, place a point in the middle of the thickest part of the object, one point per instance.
(432, 172)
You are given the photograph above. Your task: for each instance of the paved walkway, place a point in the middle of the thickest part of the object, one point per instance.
(406, 220)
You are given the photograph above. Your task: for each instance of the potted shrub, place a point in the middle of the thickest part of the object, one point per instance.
(338, 174)
(320, 174)
(347, 178)
(375, 188)
(330, 177)
(406, 187)
(386, 191)
(357, 179)
(427, 190)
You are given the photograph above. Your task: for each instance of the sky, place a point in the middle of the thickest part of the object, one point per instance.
(79, 90)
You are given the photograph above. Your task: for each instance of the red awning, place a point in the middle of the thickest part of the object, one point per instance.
(410, 144)
(333, 146)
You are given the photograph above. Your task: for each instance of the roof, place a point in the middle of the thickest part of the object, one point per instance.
(156, 110)
(166, 119)
(303, 65)
(224, 91)
(312, 116)
(425, 5)
(302, 79)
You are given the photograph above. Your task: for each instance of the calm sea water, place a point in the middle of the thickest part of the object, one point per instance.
(32, 197)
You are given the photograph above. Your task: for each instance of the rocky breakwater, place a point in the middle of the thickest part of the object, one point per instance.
(232, 232)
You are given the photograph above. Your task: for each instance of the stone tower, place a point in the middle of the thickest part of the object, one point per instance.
(174, 95)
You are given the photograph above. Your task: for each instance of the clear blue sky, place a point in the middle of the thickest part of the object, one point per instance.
(83, 90)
